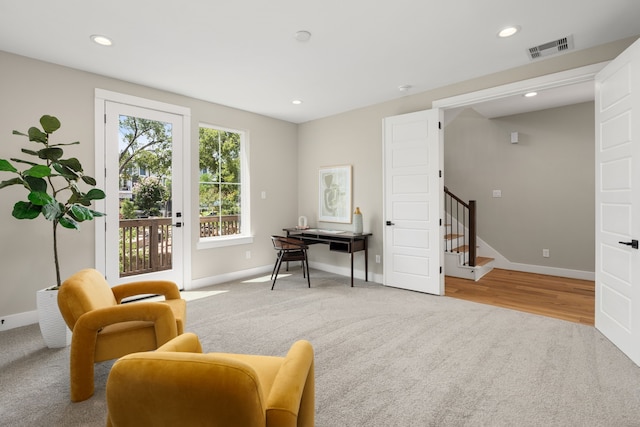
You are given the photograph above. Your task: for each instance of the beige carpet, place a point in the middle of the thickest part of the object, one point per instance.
(384, 357)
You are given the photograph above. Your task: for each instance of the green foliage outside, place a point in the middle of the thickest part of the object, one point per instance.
(220, 168)
(145, 144)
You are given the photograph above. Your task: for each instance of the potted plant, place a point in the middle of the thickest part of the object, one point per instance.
(52, 183)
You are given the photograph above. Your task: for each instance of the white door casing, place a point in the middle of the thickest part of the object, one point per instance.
(617, 120)
(109, 106)
(413, 193)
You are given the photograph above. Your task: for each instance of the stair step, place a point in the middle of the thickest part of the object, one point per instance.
(452, 236)
(482, 260)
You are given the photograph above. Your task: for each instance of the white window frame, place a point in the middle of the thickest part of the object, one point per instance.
(245, 236)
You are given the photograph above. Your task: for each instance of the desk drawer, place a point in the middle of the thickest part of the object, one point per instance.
(357, 245)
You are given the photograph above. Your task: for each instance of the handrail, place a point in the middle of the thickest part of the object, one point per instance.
(464, 215)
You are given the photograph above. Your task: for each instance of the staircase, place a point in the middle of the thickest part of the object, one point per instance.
(461, 257)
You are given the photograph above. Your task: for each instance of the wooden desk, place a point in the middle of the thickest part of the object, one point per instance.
(346, 242)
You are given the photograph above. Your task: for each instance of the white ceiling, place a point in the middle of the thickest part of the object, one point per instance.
(243, 53)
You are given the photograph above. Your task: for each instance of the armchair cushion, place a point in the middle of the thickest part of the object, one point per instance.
(179, 385)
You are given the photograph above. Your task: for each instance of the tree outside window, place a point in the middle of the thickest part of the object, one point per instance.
(220, 186)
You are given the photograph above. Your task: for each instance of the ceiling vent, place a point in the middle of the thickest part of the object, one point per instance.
(551, 48)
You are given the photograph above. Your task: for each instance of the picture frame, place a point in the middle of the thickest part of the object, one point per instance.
(334, 194)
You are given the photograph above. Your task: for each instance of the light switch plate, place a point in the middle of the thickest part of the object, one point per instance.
(497, 193)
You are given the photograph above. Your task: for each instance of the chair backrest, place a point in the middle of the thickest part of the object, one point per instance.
(189, 389)
(84, 291)
(282, 243)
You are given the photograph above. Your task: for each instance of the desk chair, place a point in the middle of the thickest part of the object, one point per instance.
(289, 249)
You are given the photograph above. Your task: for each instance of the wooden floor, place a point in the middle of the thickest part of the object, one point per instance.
(559, 297)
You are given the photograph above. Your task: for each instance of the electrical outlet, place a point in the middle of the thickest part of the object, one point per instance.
(545, 253)
(377, 259)
(247, 254)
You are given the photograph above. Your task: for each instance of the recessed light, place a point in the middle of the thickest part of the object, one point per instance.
(508, 31)
(530, 94)
(101, 40)
(302, 36)
(296, 102)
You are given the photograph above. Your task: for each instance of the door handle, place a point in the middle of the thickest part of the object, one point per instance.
(633, 243)
(178, 224)
(390, 223)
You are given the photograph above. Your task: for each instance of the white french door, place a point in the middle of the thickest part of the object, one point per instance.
(413, 193)
(617, 311)
(142, 148)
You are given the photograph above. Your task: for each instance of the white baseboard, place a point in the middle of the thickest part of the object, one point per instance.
(17, 320)
(227, 277)
(501, 262)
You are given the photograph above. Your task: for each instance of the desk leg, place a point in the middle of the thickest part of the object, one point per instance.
(366, 260)
(351, 255)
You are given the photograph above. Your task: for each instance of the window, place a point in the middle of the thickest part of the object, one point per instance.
(223, 186)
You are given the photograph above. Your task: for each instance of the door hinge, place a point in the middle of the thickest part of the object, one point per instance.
(440, 269)
(439, 125)
(440, 222)
(439, 174)
(105, 119)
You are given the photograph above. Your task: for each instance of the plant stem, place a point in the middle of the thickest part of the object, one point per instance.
(55, 252)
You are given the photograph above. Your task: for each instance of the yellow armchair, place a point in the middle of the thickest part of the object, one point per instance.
(104, 329)
(179, 385)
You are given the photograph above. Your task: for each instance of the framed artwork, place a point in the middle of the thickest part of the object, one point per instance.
(334, 194)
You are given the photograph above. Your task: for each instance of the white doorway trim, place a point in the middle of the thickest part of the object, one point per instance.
(563, 78)
(100, 98)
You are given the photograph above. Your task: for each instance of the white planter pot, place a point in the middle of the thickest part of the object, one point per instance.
(54, 330)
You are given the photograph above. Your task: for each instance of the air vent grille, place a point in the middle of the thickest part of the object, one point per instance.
(551, 48)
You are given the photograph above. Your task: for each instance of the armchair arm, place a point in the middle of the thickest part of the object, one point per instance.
(185, 343)
(90, 323)
(160, 287)
(292, 395)
(85, 336)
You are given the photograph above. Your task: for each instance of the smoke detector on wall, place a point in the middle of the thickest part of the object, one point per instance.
(551, 48)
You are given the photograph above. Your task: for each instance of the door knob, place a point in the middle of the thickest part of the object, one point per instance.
(633, 243)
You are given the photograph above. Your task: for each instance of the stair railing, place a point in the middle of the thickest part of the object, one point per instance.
(463, 223)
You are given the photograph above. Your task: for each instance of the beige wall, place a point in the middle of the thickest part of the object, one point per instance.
(29, 89)
(355, 138)
(547, 182)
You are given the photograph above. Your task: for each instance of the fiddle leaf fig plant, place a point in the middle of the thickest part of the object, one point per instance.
(52, 183)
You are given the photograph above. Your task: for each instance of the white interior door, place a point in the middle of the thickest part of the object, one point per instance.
(617, 313)
(413, 192)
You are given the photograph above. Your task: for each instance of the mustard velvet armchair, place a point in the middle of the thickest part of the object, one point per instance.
(178, 385)
(104, 329)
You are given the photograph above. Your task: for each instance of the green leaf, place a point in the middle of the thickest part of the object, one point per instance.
(52, 211)
(95, 194)
(7, 167)
(38, 171)
(72, 163)
(97, 214)
(12, 181)
(89, 180)
(52, 154)
(37, 135)
(17, 132)
(40, 198)
(65, 172)
(50, 124)
(68, 223)
(36, 184)
(80, 213)
(30, 152)
(25, 210)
